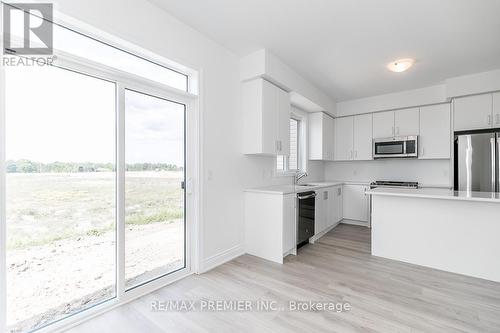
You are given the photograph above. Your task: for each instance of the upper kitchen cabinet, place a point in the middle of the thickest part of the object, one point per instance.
(406, 122)
(362, 137)
(473, 112)
(435, 132)
(353, 138)
(321, 136)
(266, 118)
(344, 131)
(496, 110)
(395, 123)
(383, 124)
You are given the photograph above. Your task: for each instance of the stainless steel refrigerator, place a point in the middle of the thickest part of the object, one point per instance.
(477, 159)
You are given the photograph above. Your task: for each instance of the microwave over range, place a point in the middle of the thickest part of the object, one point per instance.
(396, 147)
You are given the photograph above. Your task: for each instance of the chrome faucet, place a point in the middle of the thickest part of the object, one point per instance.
(298, 176)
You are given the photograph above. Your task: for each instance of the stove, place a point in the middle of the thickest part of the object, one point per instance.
(394, 184)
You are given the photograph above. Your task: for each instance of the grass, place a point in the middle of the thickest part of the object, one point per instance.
(47, 207)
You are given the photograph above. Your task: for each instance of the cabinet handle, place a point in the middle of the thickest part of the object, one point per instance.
(498, 118)
(350, 154)
(392, 130)
(355, 154)
(397, 130)
(423, 151)
(489, 119)
(277, 145)
(280, 145)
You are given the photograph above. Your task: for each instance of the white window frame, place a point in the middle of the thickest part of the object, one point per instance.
(301, 117)
(193, 187)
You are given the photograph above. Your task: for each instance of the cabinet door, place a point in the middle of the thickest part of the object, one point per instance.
(496, 110)
(283, 114)
(473, 112)
(269, 121)
(363, 137)
(435, 132)
(329, 138)
(316, 128)
(344, 128)
(320, 211)
(355, 203)
(289, 222)
(339, 203)
(406, 122)
(383, 124)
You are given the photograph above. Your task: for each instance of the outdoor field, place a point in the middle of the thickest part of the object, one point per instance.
(61, 238)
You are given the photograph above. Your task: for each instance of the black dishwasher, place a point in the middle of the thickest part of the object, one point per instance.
(305, 220)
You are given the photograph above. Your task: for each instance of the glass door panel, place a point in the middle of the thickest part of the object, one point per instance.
(60, 194)
(154, 195)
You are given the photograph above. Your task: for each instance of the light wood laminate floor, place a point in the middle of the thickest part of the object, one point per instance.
(385, 295)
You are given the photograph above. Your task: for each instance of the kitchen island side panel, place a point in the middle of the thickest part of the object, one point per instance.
(452, 235)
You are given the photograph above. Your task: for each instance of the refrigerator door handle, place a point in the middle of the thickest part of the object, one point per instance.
(498, 163)
(493, 164)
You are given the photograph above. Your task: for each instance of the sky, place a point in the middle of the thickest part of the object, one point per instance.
(54, 114)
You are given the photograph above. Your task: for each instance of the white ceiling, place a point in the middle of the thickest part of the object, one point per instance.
(342, 46)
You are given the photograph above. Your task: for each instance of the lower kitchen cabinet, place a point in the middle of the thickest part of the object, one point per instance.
(270, 225)
(355, 203)
(328, 209)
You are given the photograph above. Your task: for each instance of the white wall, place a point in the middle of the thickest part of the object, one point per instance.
(147, 26)
(404, 99)
(426, 172)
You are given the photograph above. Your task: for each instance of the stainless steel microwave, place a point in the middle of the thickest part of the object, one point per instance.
(396, 147)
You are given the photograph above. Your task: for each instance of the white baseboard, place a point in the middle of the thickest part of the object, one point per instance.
(221, 258)
(355, 222)
(321, 234)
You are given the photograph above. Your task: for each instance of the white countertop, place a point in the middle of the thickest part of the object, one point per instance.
(437, 193)
(289, 189)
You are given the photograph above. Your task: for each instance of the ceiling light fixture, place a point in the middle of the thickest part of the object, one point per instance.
(400, 65)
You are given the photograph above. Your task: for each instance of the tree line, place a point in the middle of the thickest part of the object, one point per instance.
(28, 166)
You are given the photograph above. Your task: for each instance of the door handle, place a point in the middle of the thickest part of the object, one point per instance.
(493, 165)
(498, 161)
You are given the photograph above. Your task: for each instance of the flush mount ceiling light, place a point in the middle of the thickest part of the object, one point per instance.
(400, 65)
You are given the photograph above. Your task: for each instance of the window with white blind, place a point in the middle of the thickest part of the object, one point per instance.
(291, 162)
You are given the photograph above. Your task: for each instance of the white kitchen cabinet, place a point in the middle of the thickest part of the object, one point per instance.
(270, 225)
(289, 223)
(435, 132)
(337, 204)
(328, 209)
(395, 123)
(321, 210)
(321, 137)
(383, 124)
(496, 110)
(355, 203)
(406, 122)
(266, 118)
(362, 137)
(344, 131)
(284, 110)
(473, 112)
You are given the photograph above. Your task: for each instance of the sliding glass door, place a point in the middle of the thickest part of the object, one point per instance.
(60, 194)
(154, 194)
